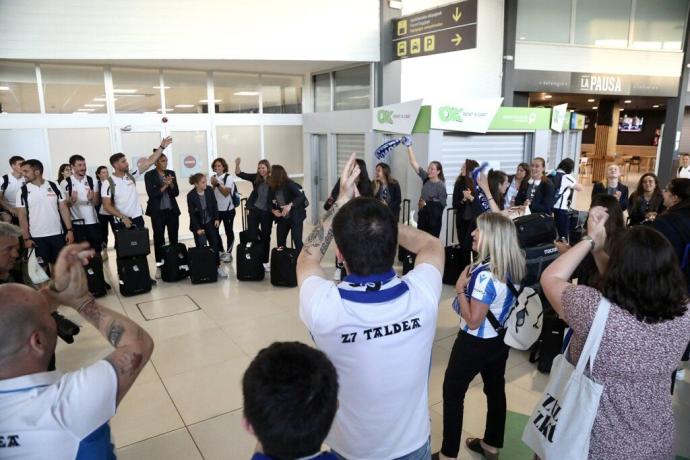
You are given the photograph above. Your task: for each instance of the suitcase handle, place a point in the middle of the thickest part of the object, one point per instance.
(244, 211)
(450, 224)
(406, 201)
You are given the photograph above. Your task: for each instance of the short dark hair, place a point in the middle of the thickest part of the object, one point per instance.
(222, 162)
(15, 158)
(115, 157)
(681, 189)
(195, 178)
(99, 169)
(366, 233)
(33, 164)
(567, 165)
(290, 399)
(644, 276)
(74, 158)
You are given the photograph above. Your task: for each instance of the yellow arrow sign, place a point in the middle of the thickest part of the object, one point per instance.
(457, 39)
(457, 15)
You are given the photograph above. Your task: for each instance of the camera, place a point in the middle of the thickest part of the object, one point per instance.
(66, 329)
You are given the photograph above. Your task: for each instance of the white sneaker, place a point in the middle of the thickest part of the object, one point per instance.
(267, 267)
(158, 273)
(337, 275)
(229, 254)
(222, 273)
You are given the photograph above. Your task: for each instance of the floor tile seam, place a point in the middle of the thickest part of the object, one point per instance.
(201, 454)
(151, 437)
(191, 425)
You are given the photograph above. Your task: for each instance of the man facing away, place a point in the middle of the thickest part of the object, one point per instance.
(48, 414)
(376, 328)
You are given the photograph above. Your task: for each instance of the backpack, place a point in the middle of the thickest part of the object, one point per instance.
(112, 185)
(24, 197)
(5, 182)
(557, 180)
(235, 194)
(69, 183)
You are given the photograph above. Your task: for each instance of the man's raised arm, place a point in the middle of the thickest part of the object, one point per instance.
(146, 164)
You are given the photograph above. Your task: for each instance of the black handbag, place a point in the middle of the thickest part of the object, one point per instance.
(535, 229)
(130, 242)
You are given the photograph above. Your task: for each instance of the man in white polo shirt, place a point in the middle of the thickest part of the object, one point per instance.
(10, 184)
(81, 198)
(120, 197)
(42, 211)
(48, 415)
(683, 166)
(376, 328)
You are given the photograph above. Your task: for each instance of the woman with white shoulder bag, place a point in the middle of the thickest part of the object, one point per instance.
(610, 395)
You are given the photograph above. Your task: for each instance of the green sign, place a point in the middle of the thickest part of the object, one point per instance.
(521, 119)
(423, 122)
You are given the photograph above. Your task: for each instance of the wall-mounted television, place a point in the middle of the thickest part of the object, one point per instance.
(630, 123)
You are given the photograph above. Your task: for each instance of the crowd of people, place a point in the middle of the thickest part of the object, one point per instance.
(364, 391)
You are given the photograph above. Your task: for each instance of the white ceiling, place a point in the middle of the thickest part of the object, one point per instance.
(276, 67)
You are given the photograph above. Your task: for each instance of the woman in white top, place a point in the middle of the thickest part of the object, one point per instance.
(479, 348)
(521, 173)
(104, 217)
(565, 186)
(225, 190)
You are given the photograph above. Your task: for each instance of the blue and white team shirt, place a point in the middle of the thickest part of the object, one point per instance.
(49, 415)
(484, 287)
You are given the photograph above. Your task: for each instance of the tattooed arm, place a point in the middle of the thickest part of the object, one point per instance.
(316, 244)
(133, 346)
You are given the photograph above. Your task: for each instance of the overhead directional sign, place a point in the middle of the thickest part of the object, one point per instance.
(440, 30)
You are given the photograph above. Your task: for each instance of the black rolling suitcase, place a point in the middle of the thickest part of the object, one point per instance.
(535, 229)
(134, 275)
(130, 242)
(406, 257)
(550, 342)
(175, 263)
(284, 267)
(537, 258)
(577, 223)
(457, 257)
(249, 265)
(202, 265)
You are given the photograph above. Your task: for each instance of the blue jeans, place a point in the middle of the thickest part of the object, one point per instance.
(423, 453)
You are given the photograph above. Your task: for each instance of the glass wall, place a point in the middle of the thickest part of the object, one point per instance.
(236, 92)
(136, 90)
(92, 143)
(322, 92)
(283, 146)
(544, 20)
(656, 24)
(352, 88)
(281, 94)
(73, 89)
(185, 92)
(18, 89)
(659, 24)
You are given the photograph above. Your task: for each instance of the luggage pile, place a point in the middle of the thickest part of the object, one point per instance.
(132, 246)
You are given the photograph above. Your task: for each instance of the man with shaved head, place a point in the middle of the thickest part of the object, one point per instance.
(9, 250)
(50, 414)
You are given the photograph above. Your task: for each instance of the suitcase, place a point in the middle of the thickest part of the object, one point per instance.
(537, 258)
(134, 275)
(95, 278)
(457, 257)
(284, 267)
(175, 263)
(578, 222)
(249, 265)
(203, 267)
(130, 242)
(550, 342)
(535, 229)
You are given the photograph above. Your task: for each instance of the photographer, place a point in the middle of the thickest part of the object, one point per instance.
(48, 414)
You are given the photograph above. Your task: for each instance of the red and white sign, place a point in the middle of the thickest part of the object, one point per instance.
(189, 161)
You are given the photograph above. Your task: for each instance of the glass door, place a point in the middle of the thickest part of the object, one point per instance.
(320, 190)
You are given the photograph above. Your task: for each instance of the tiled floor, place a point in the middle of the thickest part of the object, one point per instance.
(187, 402)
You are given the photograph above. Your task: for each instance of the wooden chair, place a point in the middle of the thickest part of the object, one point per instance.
(635, 161)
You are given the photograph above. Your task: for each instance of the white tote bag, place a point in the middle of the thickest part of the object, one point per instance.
(36, 273)
(560, 427)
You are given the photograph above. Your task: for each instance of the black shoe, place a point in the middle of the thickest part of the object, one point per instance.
(153, 282)
(108, 287)
(434, 456)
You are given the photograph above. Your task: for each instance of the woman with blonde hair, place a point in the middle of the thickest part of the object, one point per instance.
(482, 289)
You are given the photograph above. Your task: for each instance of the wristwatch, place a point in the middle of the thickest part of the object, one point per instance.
(591, 241)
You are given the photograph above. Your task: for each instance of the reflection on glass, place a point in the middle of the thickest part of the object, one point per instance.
(73, 89)
(281, 94)
(136, 91)
(604, 24)
(352, 88)
(185, 91)
(544, 21)
(659, 24)
(239, 141)
(18, 89)
(236, 92)
(92, 143)
(283, 146)
(322, 92)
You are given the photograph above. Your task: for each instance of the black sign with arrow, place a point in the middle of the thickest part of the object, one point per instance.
(440, 30)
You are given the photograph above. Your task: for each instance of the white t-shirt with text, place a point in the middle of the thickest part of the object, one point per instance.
(380, 342)
(126, 196)
(44, 214)
(82, 208)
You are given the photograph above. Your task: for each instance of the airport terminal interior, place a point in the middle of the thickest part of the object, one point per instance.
(304, 84)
